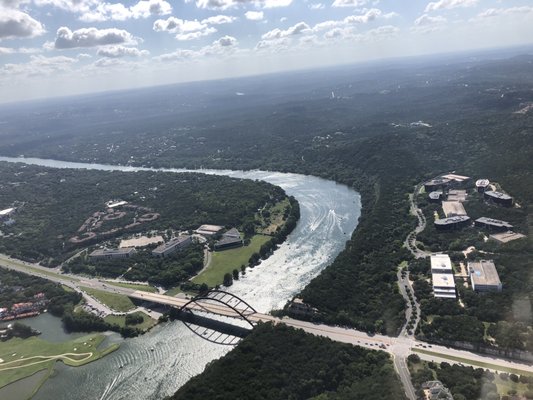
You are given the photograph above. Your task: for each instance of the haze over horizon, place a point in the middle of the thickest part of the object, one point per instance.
(51, 48)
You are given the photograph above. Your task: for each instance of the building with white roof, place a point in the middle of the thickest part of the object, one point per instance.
(484, 277)
(442, 276)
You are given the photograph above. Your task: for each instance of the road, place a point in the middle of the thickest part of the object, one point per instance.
(399, 347)
(410, 240)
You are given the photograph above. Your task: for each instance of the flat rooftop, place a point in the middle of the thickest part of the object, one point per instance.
(453, 208)
(452, 220)
(455, 177)
(437, 181)
(171, 243)
(456, 195)
(506, 236)
(209, 229)
(498, 195)
(113, 204)
(443, 281)
(494, 222)
(441, 261)
(484, 273)
(103, 252)
(7, 211)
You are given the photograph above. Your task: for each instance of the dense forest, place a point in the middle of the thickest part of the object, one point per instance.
(368, 137)
(273, 363)
(52, 205)
(468, 383)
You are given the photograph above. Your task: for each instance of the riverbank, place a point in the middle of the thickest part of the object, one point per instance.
(329, 213)
(26, 358)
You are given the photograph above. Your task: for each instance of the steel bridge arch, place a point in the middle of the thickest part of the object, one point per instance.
(218, 297)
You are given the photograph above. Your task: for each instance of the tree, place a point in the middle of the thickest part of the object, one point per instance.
(228, 279)
(203, 289)
(236, 274)
(413, 358)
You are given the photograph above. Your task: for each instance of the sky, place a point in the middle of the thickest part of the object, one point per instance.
(51, 48)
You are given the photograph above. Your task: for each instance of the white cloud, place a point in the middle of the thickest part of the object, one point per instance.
(350, 3)
(225, 4)
(75, 6)
(219, 20)
(254, 15)
(121, 51)
(368, 16)
(425, 19)
(7, 50)
(147, 8)
(273, 46)
(90, 37)
(496, 12)
(221, 47)
(187, 29)
(174, 25)
(196, 34)
(20, 50)
(449, 4)
(13, 3)
(39, 66)
(119, 12)
(17, 24)
(317, 6)
(277, 33)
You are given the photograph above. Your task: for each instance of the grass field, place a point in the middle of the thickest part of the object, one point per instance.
(120, 320)
(39, 271)
(144, 288)
(227, 260)
(475, 363)
(276, 218)
(24, 357)
(116, 302)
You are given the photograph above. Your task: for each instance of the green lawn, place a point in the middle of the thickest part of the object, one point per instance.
(276, 217)
(173, 291)
(120, 320)
(475, 363)
(227, 260)
(144, 288)
(114, 301)
(24, 357)
(32, 270)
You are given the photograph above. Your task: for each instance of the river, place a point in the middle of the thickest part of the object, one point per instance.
(328, 215)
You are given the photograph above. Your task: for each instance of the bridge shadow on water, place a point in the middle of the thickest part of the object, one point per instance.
(217, 316)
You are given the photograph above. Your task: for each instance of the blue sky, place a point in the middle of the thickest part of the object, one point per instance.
(61, 47)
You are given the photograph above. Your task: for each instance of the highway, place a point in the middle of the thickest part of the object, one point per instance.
(399, 347)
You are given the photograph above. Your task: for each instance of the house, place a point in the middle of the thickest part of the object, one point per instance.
(112, 253)
(172, 246)
(435, 390)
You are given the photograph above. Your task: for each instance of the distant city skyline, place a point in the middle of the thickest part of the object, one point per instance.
(64, 47)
